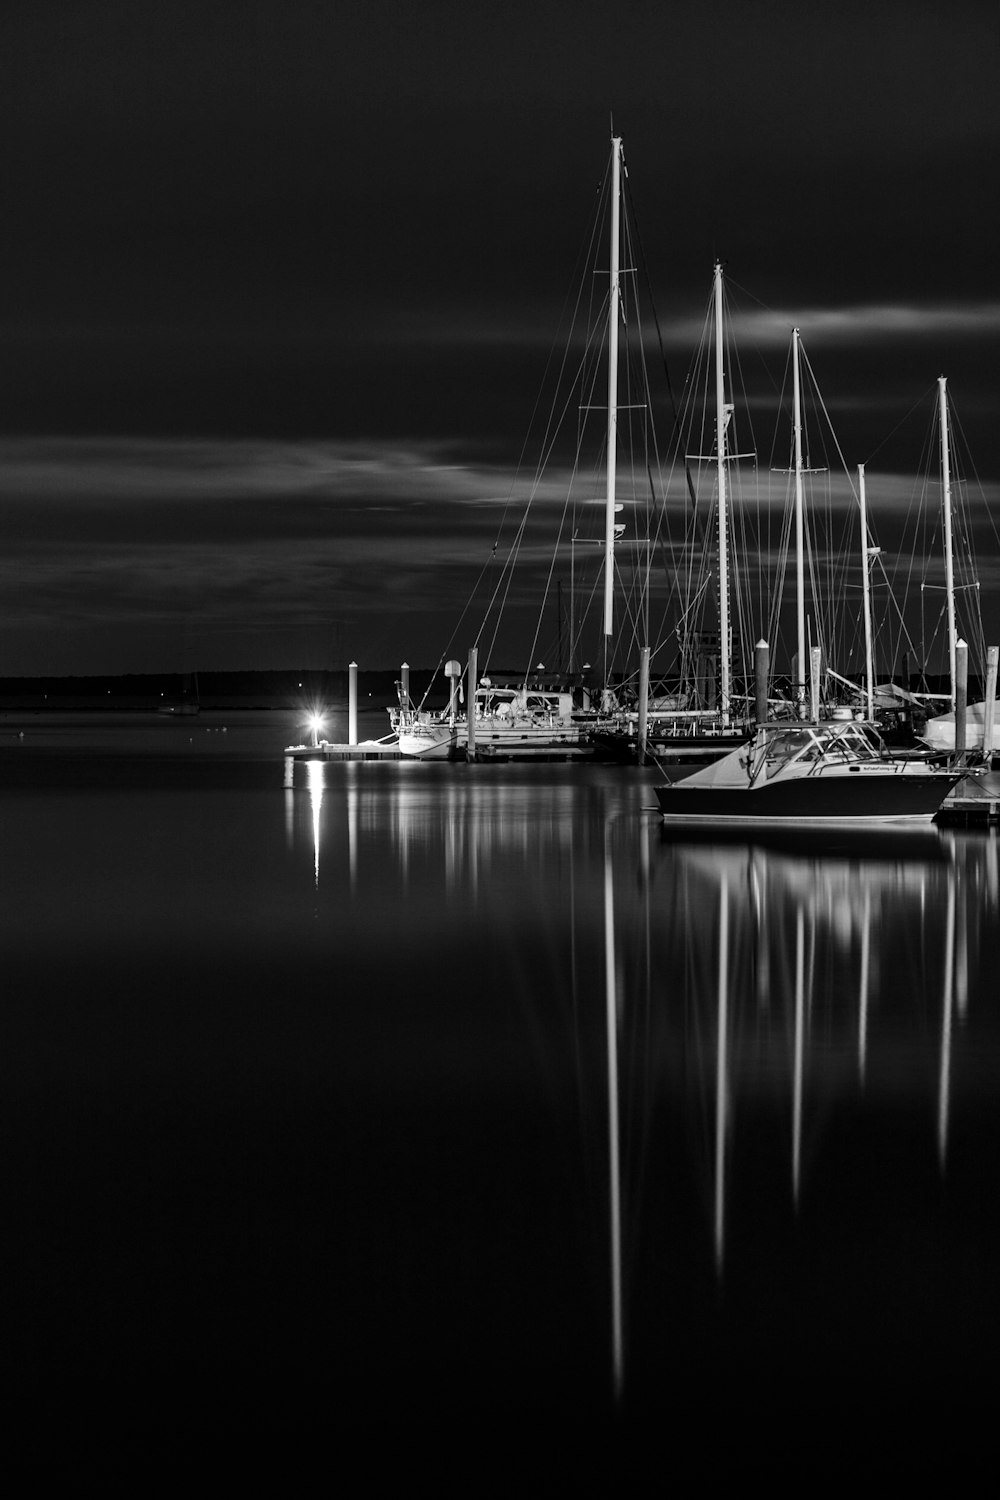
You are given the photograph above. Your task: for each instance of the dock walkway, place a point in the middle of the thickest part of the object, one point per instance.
(364, 750)
(969, 812)
(973, 804)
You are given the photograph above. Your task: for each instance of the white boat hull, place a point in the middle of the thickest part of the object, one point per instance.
(451, 742)
(434, 741)
(530, 742)
(510, 724)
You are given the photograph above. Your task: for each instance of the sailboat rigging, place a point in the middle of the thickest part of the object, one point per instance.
(536, 713)
(700, 715)
(832, 771)
(941, 731)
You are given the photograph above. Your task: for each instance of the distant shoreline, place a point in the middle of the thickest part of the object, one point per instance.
(228, 691)
(112, 705)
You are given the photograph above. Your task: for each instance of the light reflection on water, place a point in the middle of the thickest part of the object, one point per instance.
(818, 951)
(768, 990)
(468, 1085)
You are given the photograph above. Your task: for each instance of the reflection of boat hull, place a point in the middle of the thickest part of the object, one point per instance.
(890, 843)
(896, 794)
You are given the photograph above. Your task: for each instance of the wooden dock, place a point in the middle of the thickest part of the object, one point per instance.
(364, 750)
(969, 812)
(974, 803)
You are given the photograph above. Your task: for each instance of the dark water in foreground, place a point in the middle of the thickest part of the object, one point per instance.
(447, 1110)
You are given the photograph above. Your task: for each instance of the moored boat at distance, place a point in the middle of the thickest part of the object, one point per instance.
(526, 722)
(938, 733)
(825, 772)
(605, 531)
(676, 736)
(180, 708)
(184, 704)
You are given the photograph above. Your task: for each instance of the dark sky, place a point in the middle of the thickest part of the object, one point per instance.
(278, 282)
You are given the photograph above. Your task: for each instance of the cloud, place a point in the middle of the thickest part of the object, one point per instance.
(222, 538)
(263, 543)
(862, 324)
(857, 323)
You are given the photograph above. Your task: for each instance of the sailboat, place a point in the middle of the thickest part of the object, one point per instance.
(678, 727)
(186, 703)
(834, 770)
(538, 713)
(527, 721)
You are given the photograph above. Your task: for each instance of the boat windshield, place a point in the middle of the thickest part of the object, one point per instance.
(788, 743)
(814, 742)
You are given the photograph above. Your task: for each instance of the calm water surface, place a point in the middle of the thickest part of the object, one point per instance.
(386, 1100)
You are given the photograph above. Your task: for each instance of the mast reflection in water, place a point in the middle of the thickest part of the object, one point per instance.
(788, 1038)
(464, 1097)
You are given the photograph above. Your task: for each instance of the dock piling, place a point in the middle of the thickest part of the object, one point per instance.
(761, 665)
(961, 698)
(815, 668)
(470, 707)
(643, 705)
(989, 709)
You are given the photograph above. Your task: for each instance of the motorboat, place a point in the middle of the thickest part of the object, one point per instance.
(825, 771)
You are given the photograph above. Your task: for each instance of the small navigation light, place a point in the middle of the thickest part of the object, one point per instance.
(316, 722)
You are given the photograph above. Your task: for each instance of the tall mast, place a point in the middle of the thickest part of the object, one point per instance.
(800, 571)
(721, 422)
(949, 559)
(866, 554)
(614, 308)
